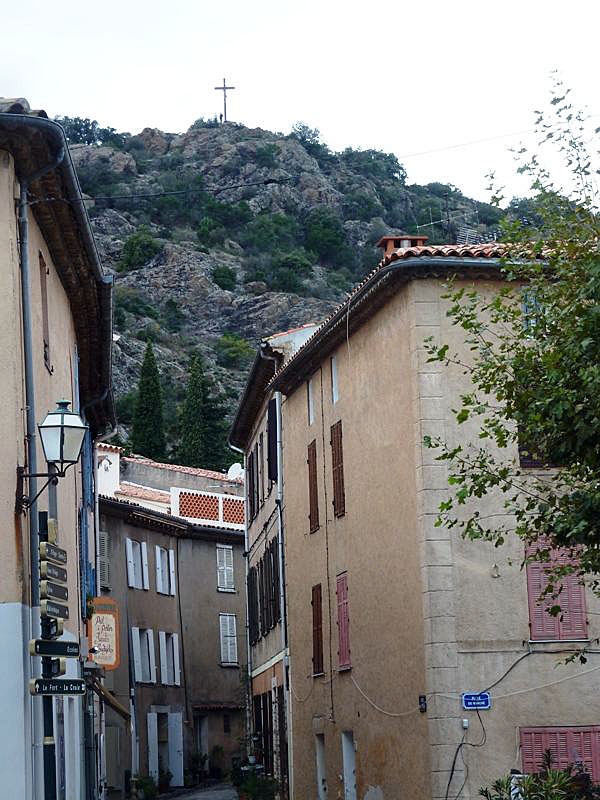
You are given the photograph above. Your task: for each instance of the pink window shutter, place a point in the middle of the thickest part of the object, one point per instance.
(542, 624)
(344, 660)
(567, 746)
(573, 617)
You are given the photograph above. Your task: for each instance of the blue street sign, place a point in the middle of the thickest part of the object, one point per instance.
(477, 701)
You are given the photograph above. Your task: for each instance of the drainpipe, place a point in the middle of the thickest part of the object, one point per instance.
(282, 583)
(42, 724)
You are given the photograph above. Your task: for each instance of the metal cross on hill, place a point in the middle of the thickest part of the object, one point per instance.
(224, 89)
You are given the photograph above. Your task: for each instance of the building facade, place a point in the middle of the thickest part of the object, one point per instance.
(391, 619)
(257, 432)
(174, 566)
(55, 304)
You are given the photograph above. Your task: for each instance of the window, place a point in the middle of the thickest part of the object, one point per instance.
(227, 625)
(225, 581)
(567, 746)
(313, 491)
(144, 664)
(168, 645)
(253, 611)
(261, 468)
(226, 723)
(310, 401)
(335, 389)
(44, 271)
(571, 623)
(344, 661)
(317, 626)
(165, 570)
(137, 564)
(253, 482)
(337, 467)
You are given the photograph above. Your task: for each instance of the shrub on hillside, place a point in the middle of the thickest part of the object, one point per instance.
(139, 249)
(127, 298)
(224, 277)
(233, 351)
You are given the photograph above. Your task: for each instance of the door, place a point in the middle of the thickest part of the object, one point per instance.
(153, 745)
(176, 748)
(349, 764)
(321, 768)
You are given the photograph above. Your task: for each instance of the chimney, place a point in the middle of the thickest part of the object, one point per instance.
(400, 241)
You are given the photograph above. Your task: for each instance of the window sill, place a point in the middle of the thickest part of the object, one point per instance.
(345, 668)
(558, 641)
(318, 674)
(229, 664)
(223, 589)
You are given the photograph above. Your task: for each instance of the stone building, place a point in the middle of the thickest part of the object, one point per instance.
(172, 560)
(390, 618)
(55, 307)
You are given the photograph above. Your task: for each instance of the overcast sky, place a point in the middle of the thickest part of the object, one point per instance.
(404, 77)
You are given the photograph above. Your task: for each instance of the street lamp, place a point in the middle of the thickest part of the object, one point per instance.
(62, 434)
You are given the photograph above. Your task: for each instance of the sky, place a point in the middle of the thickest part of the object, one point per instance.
(426, 81)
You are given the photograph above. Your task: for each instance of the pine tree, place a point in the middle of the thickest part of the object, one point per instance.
(203, 425)
(148, 435)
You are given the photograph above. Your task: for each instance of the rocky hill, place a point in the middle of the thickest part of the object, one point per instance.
(224, 234)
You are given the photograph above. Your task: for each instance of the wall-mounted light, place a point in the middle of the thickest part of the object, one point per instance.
(62, 434)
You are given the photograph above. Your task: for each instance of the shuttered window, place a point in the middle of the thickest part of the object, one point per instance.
(571, 622)
(228, 639)
(313, 491)
(251, 482)
(225, 580)
(104, 559)
(253, 618)
(337, 466)
(272, 440)
(567, 746)
(256, 479)
(317, 627)
(343, 619)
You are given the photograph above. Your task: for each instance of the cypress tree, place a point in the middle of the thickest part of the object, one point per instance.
(148, 435)
(203, 425)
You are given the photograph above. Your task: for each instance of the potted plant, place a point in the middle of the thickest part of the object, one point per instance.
(144, 787)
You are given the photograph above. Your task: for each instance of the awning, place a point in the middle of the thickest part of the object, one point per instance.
(109, 699)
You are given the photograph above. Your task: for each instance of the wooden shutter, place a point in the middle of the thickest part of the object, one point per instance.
(130, 564)
(571, 623)
(344, 661)
(317, 625)
(159, 571)
(256, 480)
(253, 625)
(272, 439)
(172, 581)
(250, 488)
(175, 747)
(137, 655)
(313, 489)
(228, 638)
(145, 581)
(176, 664)
(153, 745)
(261, 467)
(337, 466)
(573, 617)
(566, 745)
(162, 652)
(104, 559)
(276, 580)
(541, 624)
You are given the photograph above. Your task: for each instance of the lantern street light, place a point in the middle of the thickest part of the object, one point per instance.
(62, 434)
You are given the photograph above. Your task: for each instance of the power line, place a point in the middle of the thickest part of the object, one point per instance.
(198, 190)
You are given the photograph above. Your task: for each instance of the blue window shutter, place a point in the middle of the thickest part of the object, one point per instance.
(83, 558)
(87, 470)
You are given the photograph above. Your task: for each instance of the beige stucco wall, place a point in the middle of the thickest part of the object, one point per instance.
(375, 543)
(14, 545)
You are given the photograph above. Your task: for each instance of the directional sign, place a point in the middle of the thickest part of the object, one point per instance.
(57, 686)
(51, 609)
(477, 701)
(46, 647)
(54, 591)
(50, 571)
(50, 552)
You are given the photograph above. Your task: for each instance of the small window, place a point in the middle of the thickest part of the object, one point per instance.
(337, 468)
(317, 626)
(567, 746)
(226, 723)
(261, 467)
(225, 577)
(104, 559)
(313, 488)
(144, 664)
(571, 622)
(137, 564)
(335, 391)
(228, 633)
(343, 620)
(310, 401)
(170, 673)
(165, 570)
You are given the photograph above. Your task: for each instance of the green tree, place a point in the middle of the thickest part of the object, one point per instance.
(87, 131)
(203, 430)
(534, 374)
(147, 436)
(139, 249)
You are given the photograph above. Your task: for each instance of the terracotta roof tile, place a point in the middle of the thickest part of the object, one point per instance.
(110, 448)
(143, 492)
(201, 473)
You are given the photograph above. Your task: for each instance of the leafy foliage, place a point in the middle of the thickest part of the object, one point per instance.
(139, 249)
(87, 131)
(128, 298)
(325, 236)
(224, 277)
(203, 430)
(534, 371)
(572, 783)
(148, 437)
(234, 350)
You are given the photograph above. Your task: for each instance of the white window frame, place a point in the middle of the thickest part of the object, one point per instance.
(228, 639)
(225, 573)
(137, 564)
(142, 641)
(310, 399)
(170, 670)
(165, 570)
(335, 386)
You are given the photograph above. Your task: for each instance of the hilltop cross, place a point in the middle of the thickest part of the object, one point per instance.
(224, 89)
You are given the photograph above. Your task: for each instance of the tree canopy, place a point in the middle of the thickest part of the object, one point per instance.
(148, 436)
(534, 372)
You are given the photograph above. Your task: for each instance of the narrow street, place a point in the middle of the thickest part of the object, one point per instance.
(223, 791)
